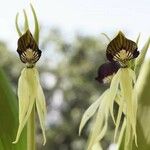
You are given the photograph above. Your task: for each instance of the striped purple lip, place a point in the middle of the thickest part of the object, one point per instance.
(121, 49)
(28, 49)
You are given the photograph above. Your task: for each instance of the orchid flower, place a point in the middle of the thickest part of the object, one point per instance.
(30, 93)
(122, 78)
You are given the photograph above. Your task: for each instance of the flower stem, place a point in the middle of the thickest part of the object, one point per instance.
(31, 131)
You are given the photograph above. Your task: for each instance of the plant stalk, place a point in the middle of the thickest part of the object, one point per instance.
(31, 131)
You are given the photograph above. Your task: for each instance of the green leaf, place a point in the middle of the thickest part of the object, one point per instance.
(139, 61)
(137, 40)
(9, 117)
(143, 123)
(132, 61)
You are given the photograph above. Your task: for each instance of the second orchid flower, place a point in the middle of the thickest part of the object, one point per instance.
(122, 78)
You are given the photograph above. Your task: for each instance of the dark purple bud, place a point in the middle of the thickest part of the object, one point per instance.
(107, 71)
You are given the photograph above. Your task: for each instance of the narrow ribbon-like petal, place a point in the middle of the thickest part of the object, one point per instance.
(90, 112)
(131, 104)
(41, 108)
(97, 146)
(120, 111)
(26, 95)
(100, 122)
(113, 92)
(121, 132)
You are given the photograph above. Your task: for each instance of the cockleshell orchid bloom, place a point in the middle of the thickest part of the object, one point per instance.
(30, 93)
(122, 79)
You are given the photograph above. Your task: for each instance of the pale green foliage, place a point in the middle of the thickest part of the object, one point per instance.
(30, 92)
(140, 60)
(143, 86)
(9, 117)
(138, 38)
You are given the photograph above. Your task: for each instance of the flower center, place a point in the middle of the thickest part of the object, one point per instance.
(30, 56)
(123, 55)
(29, 53)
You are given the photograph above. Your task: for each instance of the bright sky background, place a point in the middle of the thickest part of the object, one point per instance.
(85, 16)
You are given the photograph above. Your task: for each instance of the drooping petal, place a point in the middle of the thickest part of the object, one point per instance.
(26, 96)
(118, 100)
(41, 108)
(97, 146)
(126, 85)
(23, 95)
(120, 112)
(121, 132)
(90, 112)
(113, 92)
(104, 129)
(99, 125)
(134, 96)
(128, 132)
(132, 75)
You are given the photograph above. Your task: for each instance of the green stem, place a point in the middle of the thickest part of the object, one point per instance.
(31, 131)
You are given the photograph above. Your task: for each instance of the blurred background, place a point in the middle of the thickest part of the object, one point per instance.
(72, 50)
